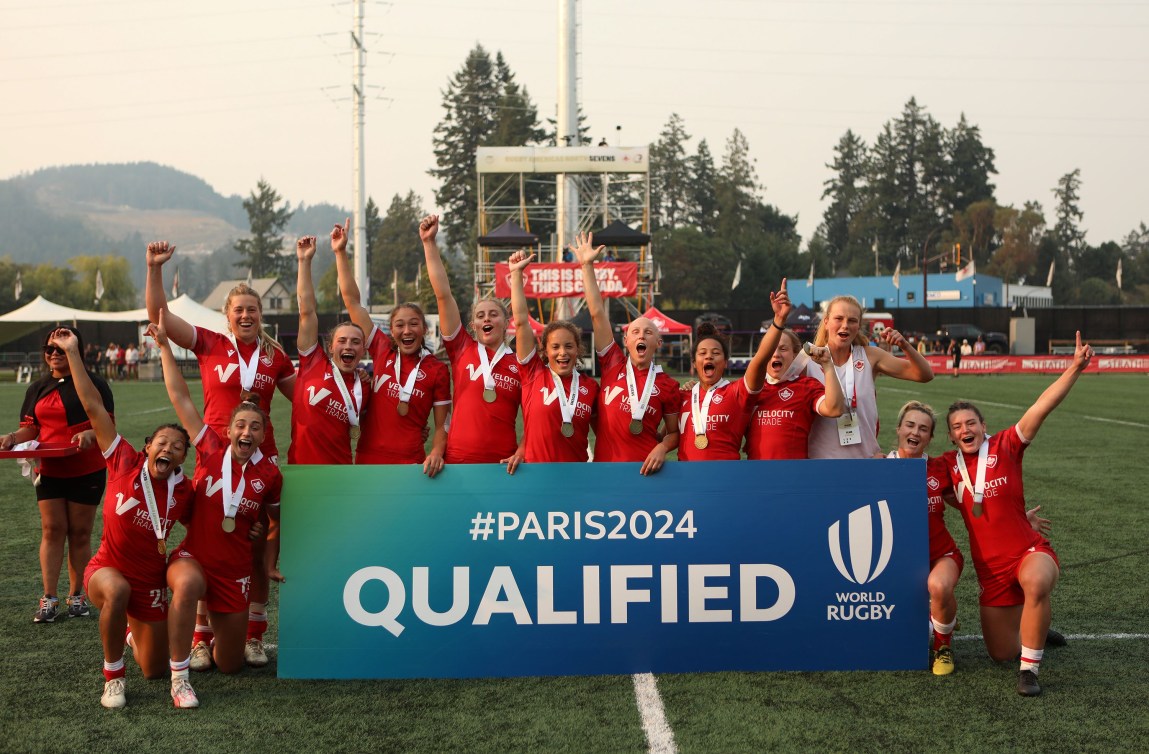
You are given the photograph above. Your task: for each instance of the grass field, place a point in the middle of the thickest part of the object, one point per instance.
(1086, 469)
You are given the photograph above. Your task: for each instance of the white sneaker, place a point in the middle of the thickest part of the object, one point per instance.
(200, 657)
(114, 697)
(183, 695)
(254, 653)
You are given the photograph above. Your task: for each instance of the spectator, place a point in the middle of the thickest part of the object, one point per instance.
(132, 362)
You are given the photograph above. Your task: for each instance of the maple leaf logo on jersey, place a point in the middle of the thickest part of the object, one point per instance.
(514, 368)
(582, 389)
(991, 461)
(717, 398)
(785, 393)
(420, 375)
(265, 359)
(933, 484)
(859, 365)
(257, 485)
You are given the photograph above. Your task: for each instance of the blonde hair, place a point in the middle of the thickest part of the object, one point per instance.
(925, 408)
(266, 342)
(821, 338)
(497, 302)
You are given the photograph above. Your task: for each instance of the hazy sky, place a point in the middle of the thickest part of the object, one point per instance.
(232, 91)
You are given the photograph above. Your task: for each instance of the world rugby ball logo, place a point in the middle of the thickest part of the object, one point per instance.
(860, 535)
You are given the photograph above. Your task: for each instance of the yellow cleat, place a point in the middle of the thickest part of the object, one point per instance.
(943, 663)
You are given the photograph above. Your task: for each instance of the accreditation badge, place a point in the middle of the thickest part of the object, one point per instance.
(848, 431)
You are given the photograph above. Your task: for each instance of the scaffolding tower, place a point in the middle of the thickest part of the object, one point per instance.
(518, 207)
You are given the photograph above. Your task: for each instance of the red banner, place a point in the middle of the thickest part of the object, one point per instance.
(615, 280)
(1037, 364)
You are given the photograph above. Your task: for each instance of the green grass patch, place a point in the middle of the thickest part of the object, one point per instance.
(1085, 469)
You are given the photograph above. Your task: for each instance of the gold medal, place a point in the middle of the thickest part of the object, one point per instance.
(700, 442)
(402, 408)
(567, 429)
(636, 426)
(228, 524)
(489, 395)
(162, 546)
(354, 432)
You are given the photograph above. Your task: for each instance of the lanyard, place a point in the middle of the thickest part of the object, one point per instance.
(567, 403)
(847, 381)
(700, 415)
(638, 404)
(405, 389)
(231, 501)
(486, 364)
(977, 489)
(352, 410)
(159, 526)
(247, 370)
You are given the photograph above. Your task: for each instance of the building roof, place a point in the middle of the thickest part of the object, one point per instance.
(218, 296)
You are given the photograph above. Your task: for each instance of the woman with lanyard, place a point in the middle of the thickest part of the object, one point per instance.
(715, 412)
(1016, 566)
(488, 384)
(409, 382)
(68, 489)
(236, 486)
(854, 434)
(125, 578)
(329, 396)
(558, 402)
(245, 364)
(790, 401)
(636, 395)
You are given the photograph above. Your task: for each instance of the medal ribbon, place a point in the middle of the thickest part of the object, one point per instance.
(567, 403)
(638, 405)
(978, 487)
(352, 410)
(699, 415)
(247, 371)
(158, 526)
(231, 501)
(848, 387)
(486, 364)
(405, 389)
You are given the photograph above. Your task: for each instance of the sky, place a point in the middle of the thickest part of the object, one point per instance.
(246, 89)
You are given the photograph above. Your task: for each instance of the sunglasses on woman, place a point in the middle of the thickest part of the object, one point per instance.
(53, 351)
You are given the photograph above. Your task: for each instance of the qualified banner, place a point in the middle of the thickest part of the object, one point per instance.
(564, 280)
(569, 569)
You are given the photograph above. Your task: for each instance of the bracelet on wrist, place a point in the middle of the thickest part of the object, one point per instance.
(775, 324)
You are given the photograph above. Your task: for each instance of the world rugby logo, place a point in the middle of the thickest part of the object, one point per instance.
(861, 531)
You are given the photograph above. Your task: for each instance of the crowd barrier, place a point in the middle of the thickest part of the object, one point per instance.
(1037, 364)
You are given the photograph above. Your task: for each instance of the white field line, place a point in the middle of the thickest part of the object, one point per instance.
(1087, 417)
(1073, 637)
(659, 736)
(150, 411)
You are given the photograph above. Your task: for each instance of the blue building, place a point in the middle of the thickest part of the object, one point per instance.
(939, 290)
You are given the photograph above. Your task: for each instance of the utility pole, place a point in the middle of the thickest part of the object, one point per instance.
(566, 126)
(359, 192)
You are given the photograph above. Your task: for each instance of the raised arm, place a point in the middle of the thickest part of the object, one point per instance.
(756, 370)
(585, 254)
(524, 335)
(348, 288)
(1053, 395)
(449, 317)
(86, 391)
(178, 393)
(914, 367)
(305, 293)
(181, 332)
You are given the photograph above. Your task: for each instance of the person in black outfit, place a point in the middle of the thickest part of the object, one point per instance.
(68, 488)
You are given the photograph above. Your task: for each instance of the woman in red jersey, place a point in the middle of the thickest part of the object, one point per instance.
(409, 383)
(558, 402)
(68, 489)
(329, 396)
(235, 486)
(488, 383)
(125, 578)
(243, 364)
(854, 434)
(790, 401)
(1016, 566)
(715, 412)
(636, 396)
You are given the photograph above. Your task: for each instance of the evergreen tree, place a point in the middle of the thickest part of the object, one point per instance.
(396, 249)
(1067, 233)
(846, 191)
(262, 252)
(670, 176)
(970, 166)
(1021, 232)
(483, 106)
(703, 196)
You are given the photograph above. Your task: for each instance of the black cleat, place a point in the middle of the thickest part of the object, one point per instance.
(1054, 638)
(1027, 683)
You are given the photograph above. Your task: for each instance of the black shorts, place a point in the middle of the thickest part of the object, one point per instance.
(86, 490)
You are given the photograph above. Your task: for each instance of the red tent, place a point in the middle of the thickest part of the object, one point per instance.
(665, 324)
(536, 326)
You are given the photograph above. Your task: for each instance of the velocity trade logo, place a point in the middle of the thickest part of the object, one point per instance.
(861, 532)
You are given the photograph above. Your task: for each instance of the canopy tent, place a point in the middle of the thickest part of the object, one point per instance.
(536, 326)
(802, 320)
(619, 233)
(665, 324)
(40, 311)
(509, 235)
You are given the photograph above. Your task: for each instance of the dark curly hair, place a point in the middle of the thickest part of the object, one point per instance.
(707, 331)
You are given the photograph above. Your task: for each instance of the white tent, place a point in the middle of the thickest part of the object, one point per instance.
(41, 311)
